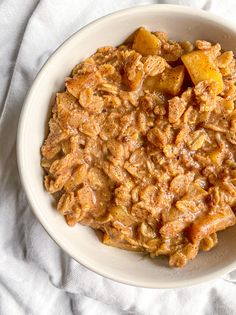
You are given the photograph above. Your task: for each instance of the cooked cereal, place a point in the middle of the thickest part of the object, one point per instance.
(141, 145)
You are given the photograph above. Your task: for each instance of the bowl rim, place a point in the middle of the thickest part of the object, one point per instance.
(20, 132)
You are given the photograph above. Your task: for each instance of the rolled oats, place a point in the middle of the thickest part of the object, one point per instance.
(140, 152)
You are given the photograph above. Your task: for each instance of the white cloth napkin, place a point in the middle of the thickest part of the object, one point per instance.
(36, 277)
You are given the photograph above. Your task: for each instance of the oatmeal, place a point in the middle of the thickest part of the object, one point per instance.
(141, 145)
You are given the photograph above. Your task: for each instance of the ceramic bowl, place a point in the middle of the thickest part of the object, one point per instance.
(82, 243)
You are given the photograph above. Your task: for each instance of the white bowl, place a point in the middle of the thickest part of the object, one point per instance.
(80, 242)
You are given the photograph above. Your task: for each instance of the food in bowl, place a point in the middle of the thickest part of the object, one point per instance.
(141, 145)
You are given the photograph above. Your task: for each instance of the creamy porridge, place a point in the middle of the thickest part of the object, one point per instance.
(141, 145)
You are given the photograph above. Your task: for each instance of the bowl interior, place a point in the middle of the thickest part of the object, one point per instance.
(81, 242)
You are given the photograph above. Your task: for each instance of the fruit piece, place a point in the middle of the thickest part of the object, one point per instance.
(145, 42)
(211, 223)
(200, 68)
(170, 81)
(216, 156)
